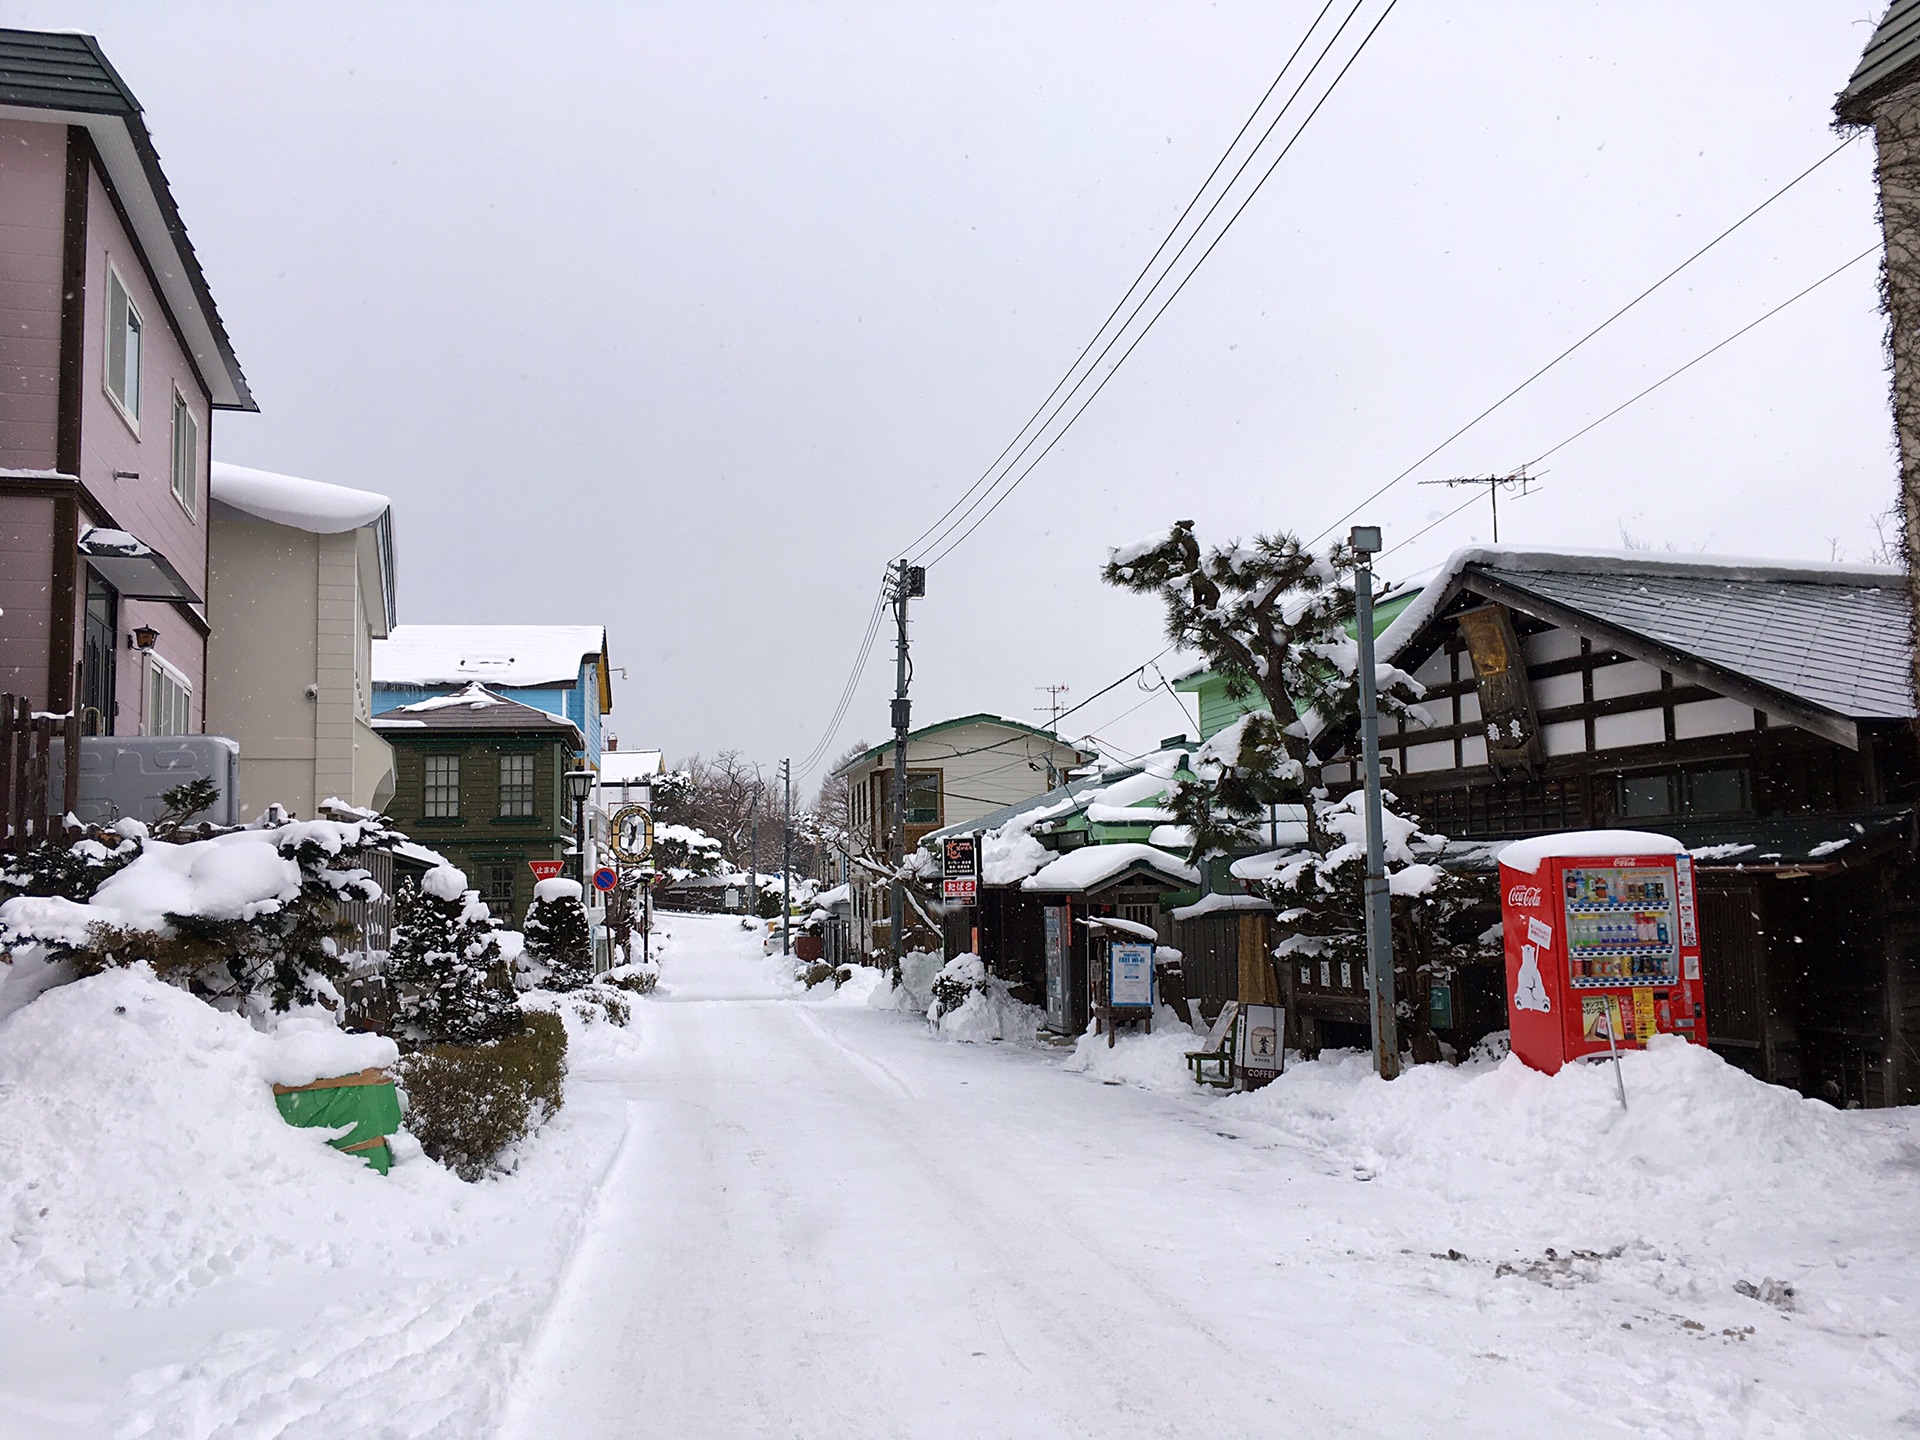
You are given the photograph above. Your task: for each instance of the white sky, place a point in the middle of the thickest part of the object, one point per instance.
(682, 318)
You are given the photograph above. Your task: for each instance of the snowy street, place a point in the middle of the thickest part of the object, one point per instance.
(824, 1221)
(766, 1211)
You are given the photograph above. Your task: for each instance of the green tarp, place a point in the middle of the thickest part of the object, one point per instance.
(372, 1110)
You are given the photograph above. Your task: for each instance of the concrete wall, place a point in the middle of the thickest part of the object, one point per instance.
(33, 168)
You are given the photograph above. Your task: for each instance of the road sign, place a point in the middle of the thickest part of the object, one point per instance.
(546, 869)
(605, 878)
(632, 834)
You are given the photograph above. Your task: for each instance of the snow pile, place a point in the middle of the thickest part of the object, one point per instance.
(558, 888)
(311, 505)
(1527, 854)
(142, 1156)
(1544, 1156)
(917, 971)
(990, 1013)
(1153, 1062)
(866, 987)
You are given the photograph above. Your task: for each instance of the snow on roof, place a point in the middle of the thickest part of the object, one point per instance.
(495, 654)
(1222, 905)
(1099, 814)
(630, 766)
(474, 696)
(310, 505)
(1125, 927)
(1093, 865)
(1527, 854)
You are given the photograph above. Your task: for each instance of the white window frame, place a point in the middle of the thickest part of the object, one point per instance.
(186, 486)
(167, 700)
(128, 413)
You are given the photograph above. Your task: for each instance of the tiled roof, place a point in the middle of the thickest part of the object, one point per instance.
(1895, 46)
(1842, 647)
(1834, 637)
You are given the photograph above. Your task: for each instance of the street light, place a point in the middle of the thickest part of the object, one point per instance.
(1365, 543)
(579, 783)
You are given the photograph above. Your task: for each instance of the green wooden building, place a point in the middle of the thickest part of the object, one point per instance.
(481, 779)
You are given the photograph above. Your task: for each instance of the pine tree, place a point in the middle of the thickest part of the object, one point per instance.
(450, 981)
(558, 935)
(1271, 618)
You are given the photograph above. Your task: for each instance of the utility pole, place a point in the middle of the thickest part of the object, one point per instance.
(1054, 692)
(1365, 540)
(1519, 482)
(786, 862)
(753, 849)
(909, 582)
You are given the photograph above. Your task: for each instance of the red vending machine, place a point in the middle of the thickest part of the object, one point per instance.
(1601, 935)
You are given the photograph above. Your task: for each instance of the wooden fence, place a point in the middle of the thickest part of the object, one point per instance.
(28, 812)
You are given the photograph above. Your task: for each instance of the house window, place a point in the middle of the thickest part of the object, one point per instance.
(516, 785)
(496, 888)
(923, 798)
(442, 788)
(1720, 791)
(1644, 797)
(186, 455)
(169, 699)
(124, 329)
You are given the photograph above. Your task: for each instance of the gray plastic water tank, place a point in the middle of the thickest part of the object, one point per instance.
(123, 775)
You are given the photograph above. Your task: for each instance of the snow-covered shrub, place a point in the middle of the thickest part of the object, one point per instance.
(73, 872)
(469, 1105)
(452, 983)
(639, 979)
(559, 938)
(959, 980)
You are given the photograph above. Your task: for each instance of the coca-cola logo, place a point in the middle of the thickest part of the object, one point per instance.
(1523, 897)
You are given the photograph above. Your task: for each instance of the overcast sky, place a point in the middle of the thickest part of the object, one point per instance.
(685, 318)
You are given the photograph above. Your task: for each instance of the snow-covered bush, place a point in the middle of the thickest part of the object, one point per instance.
(959, 980)
(451, 981)
(244, 917)
(469, 1105)
(637, 978)
(559, 938)
(73, 872)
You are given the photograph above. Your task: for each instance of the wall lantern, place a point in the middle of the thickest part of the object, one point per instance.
(144, 637)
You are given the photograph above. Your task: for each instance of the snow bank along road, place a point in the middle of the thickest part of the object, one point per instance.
(824, 1220)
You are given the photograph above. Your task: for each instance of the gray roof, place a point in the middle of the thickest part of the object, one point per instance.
(1831, 640)
(68, 79)
(1842, 647)
(1894, 48)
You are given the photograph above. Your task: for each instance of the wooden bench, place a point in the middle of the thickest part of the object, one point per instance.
(1216, 1052)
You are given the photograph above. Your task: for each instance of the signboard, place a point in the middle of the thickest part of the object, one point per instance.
(1130, 975)
(960, 869)
(1260, 1053)
(632, 834)
(605, 878)
(546, 869)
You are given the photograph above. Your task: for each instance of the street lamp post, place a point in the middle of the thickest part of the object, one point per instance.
(1365, 540)
(579, 783)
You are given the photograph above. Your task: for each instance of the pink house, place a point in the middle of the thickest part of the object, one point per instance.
(112, 360)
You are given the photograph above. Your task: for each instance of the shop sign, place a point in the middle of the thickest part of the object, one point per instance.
(1130, 975)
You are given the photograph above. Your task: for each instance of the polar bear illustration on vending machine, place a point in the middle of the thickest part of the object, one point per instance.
(1531, 992)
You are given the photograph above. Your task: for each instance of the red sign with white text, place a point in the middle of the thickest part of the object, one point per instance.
(546, 869)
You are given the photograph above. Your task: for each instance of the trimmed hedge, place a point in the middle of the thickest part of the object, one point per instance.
(470, 1104)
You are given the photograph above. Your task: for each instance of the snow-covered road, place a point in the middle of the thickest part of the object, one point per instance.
(824, 1221)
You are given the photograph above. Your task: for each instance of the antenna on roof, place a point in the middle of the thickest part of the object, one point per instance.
(1518, 483)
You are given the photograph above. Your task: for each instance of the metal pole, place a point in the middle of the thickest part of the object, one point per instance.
(1365, 540)
(786, 862)
(902, 713)
(753, 849)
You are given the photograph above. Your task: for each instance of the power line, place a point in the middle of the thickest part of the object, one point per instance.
(914, 544)
(1663, 380)
(958, 540)
(945, 526)
(847, 691)
(1581, 341)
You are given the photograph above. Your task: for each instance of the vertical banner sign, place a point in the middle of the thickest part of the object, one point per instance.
(960, 870)
(1262, 1042)
(1130, 975)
